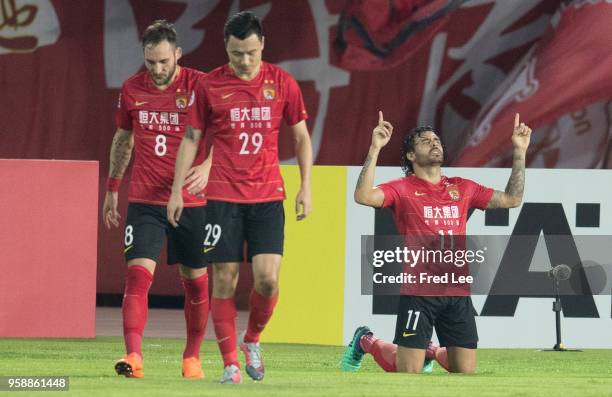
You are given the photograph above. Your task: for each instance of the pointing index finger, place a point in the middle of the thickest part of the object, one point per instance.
(516, 120)
(380, 117)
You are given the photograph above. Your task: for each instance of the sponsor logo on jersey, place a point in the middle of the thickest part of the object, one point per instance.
(263, 113)
(417, 193)
(447, 215)
(137, 103)
(159, 118)
(453, 192)
(269, 92)
(208, 249)
(407, 334)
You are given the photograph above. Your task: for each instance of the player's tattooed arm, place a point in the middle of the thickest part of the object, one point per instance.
(513, 195)
(193, 134)
(364, 170)
(516, 183)
(121, 152)
(364, 192)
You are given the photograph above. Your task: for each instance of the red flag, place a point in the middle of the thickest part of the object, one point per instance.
(380, 34)
(569, 69)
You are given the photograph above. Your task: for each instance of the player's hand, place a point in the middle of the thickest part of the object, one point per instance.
(110, 215)
(174, 208)
(382, 132)
(303, 203)
(521, 135)
(197, 178)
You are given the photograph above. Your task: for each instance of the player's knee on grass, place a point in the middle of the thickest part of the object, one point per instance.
(409, 360)
(461, 360)
(410, 368)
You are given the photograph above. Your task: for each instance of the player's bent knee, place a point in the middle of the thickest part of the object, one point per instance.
(224, 278)
(409, 360)
(267, 286)
(462, 360)
(224, 282)
(223, 290)
(148, 264)
(191, 273)
(225, 273)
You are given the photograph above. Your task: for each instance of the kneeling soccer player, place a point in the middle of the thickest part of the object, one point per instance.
(424, 187)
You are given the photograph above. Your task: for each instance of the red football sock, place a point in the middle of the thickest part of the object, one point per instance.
(196, 313)
(223, 313)
(261, 309)
(384, 353)
(135, 307)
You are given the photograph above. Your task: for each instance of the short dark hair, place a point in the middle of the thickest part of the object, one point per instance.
(408, 146)
(242, 25)
(160, 30)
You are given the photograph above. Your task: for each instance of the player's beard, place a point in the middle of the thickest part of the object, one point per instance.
(429, 159)
(167, 80)
(436, 159)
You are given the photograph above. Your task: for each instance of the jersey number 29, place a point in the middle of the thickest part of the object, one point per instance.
(248, 143)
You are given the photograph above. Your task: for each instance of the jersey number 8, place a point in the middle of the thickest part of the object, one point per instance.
(160, 145)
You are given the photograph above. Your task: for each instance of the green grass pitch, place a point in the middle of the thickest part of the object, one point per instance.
(301, 370)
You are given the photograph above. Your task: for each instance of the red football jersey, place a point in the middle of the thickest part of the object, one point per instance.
(433, 217)
(157, 120)
(243, 118)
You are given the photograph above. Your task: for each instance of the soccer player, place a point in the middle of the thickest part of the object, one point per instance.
(409, 198)
(241, 105)
(150, 118)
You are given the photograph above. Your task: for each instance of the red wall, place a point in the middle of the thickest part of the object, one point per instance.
(48, 239)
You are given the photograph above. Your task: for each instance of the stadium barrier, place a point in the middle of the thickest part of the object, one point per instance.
(49, 218)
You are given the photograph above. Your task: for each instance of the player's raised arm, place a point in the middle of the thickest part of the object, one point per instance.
(513, 195)
(303, 151)
(364, 192)
(184, 159)
(120, 154)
